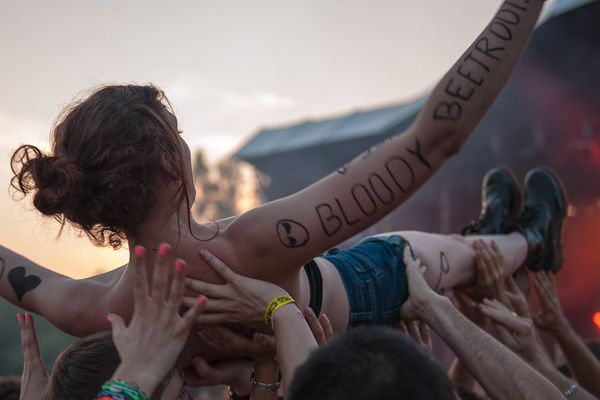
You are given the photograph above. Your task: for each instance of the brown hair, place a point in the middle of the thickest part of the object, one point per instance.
(10, 387)
(107, 152)
(80, 370)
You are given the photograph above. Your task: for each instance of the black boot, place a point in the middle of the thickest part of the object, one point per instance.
(500, 204)
(542, 219)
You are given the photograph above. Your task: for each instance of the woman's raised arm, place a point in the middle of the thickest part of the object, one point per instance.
(289, 231)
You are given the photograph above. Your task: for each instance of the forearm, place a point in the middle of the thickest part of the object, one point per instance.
(63, 301)
(294, 340)
(562, 382)
(584, 365)
(466, 92)
(500, 372)
(22, 281)
(460, 376)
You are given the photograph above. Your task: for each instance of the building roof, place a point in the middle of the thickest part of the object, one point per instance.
(312, 133)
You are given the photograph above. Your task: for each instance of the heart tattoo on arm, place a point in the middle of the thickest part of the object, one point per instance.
(22, 283)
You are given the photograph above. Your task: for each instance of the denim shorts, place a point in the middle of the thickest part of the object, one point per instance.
(374, 276)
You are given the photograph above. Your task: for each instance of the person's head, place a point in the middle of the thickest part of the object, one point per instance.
(114, 156)
(370, 363)
(10, 387)
(81, 369)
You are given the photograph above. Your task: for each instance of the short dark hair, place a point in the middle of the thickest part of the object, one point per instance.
(10, 387)
(464, 394)
(83, 367)
(370, 363)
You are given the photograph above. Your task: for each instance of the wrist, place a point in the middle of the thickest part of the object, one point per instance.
(277, 306)
(285, 312)
(241, 385)
(562, 329)
(434, 309)
(144, 379)
(266, 371)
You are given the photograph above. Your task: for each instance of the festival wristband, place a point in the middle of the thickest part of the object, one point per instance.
(274, 305)
(120, 390)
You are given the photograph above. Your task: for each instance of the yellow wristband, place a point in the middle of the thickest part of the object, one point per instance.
(274, 305)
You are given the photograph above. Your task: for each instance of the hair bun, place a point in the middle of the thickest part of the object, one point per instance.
(58, 180)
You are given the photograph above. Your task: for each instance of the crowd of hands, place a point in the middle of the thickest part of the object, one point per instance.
(150, 345)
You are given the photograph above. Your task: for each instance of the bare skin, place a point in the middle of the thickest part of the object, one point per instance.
(286, 233)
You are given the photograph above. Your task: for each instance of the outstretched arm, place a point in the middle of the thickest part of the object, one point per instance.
(500, 372)
(359, 194)
(582, 361)
(72, 305)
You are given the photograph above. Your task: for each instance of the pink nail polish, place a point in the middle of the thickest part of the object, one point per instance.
(27, 316)
(19, 316)
(179, 265)
(109, 319)
(201, 300)
(139, 251)
(164, 249)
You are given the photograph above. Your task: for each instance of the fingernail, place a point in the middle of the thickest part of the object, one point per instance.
(164, 249)
(109, 319)
(27, 316)
(179, 265)
(139, 251)
(19, 316)
(201, 300)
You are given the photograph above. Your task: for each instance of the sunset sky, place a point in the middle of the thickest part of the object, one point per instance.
(229, 68)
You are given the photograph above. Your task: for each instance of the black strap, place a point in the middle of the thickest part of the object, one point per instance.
(315, 283)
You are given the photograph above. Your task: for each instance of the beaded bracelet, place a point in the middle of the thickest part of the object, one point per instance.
(274, 305)
(120, 390)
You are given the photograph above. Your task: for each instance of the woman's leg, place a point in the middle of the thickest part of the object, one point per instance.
(450, 258)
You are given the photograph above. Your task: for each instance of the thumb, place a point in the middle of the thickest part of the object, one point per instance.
(202, 368)
(117, 324)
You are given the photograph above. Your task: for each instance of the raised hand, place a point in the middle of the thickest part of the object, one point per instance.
(420, 293)
(515, 332)
(260, 347)
(151, 343)
(469, 308)
(235, 373)
(419, 331)
(551, 317)
(241, 299)
(320, 327)
(490, 273)
(516, 298)
(34, 379)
